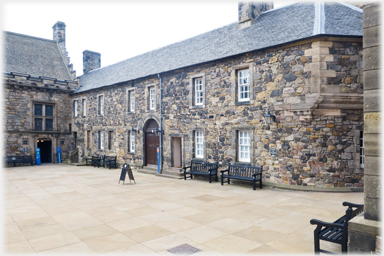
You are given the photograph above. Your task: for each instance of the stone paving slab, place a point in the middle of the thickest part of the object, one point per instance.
(59, 208)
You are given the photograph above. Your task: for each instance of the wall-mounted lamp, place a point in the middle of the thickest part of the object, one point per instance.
(133, 129)
(269, 118)
(157, 131)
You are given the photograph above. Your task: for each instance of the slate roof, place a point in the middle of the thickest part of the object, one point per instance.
(275, 27)
(33, 56)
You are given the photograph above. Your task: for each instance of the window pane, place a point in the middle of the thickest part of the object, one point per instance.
(38, 109)
(49, 124)
(48, 110)
(38, 124)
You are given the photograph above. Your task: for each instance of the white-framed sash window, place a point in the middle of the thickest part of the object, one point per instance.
(100, 140)
(75, 103)
(243, 85)
(131, 103)
(199, 142)
(84, 103)
(199, 96)
(244, 146)
(152, 100)
(101, 105)
(131, 142)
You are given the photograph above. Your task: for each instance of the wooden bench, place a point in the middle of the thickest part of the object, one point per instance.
(336, 232)
(109, 161)
(19, 160)
(243, 172)
(94, 161)
(201, 168)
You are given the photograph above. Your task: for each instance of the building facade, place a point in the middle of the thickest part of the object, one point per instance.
(207, 100)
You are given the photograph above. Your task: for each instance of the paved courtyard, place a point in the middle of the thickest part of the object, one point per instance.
(59, 208)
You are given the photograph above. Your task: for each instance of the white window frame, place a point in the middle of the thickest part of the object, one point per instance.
(362, 156)
(152, 98)
(199, 144)
(131, 142)
(84, 103)
(100, 102)
(243, 85)
(244, 146)
(75, 107)
(100, 140)
(199, 91)
(131, 101)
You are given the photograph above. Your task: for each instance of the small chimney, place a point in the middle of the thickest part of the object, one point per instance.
(250, 11)
(59, 32)
(91, 61)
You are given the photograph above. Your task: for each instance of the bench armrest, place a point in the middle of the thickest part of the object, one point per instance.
(212, 169)
(223, 171)
(185, 168)
(320, 224)
(352, 204)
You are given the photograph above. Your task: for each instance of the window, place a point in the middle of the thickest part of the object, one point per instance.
(100, 105)
(131, 101)
(199, 96)
(100, 140)
(43, 117)
(84, 107)
(152, 100)
(199, 144)
(131, 142)
(243, 85)
(110, 133)
(244, 146)
(88, 142)
(362, 156)
(75, 107)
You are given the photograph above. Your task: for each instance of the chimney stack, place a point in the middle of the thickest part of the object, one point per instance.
(59, 33)
(91, 61)
(250, 11)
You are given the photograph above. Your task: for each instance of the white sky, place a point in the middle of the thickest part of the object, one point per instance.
(118, 30)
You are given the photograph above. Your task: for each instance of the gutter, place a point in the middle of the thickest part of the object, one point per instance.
(161, 129)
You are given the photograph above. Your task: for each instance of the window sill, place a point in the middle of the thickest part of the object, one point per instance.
(198, 159)
(131, 112)
(131, 153)
(197, 107)
(242, 103)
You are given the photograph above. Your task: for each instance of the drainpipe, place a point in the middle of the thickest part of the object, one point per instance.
(161, 129)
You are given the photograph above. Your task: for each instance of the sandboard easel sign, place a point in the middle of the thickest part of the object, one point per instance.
(126, 169)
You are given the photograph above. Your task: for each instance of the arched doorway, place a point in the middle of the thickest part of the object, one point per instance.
(152, 142)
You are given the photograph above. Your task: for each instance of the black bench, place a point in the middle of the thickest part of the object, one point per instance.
(110, 161)
(243, 172)
(19, 160)
(201, 168)
(336, 232)
(94, 161)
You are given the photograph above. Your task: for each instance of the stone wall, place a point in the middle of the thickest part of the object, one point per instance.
(314, 88)
(21, 94)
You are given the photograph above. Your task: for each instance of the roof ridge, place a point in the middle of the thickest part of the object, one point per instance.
(34, 37)
(350, 6)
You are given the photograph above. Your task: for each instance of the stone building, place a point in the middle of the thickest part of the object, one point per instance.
(38, 83)
(205, 98)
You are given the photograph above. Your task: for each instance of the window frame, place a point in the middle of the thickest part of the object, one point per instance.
(199, 145)
(84, 107)
(131, 142)
(152, 98)
(200, 91)
(191, 87)
(240, 138)
(100, 140)
(100, 104)
(235, 95)
(75, 108)
(131, 103)
(43, 117)
(240, 85)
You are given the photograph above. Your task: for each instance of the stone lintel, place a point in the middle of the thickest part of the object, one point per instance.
(326, 112)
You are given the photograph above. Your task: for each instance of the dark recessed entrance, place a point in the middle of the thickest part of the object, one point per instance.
(45, 151)
(152, 142)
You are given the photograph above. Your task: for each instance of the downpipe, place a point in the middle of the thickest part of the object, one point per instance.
(161, 128)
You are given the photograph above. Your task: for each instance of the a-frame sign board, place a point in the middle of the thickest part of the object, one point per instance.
(126, 170)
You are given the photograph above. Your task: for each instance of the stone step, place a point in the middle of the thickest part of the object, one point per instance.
(169, 173)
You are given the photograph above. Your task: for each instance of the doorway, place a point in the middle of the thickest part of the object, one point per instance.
(176, 152)
(45, 151)
(152, 142)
